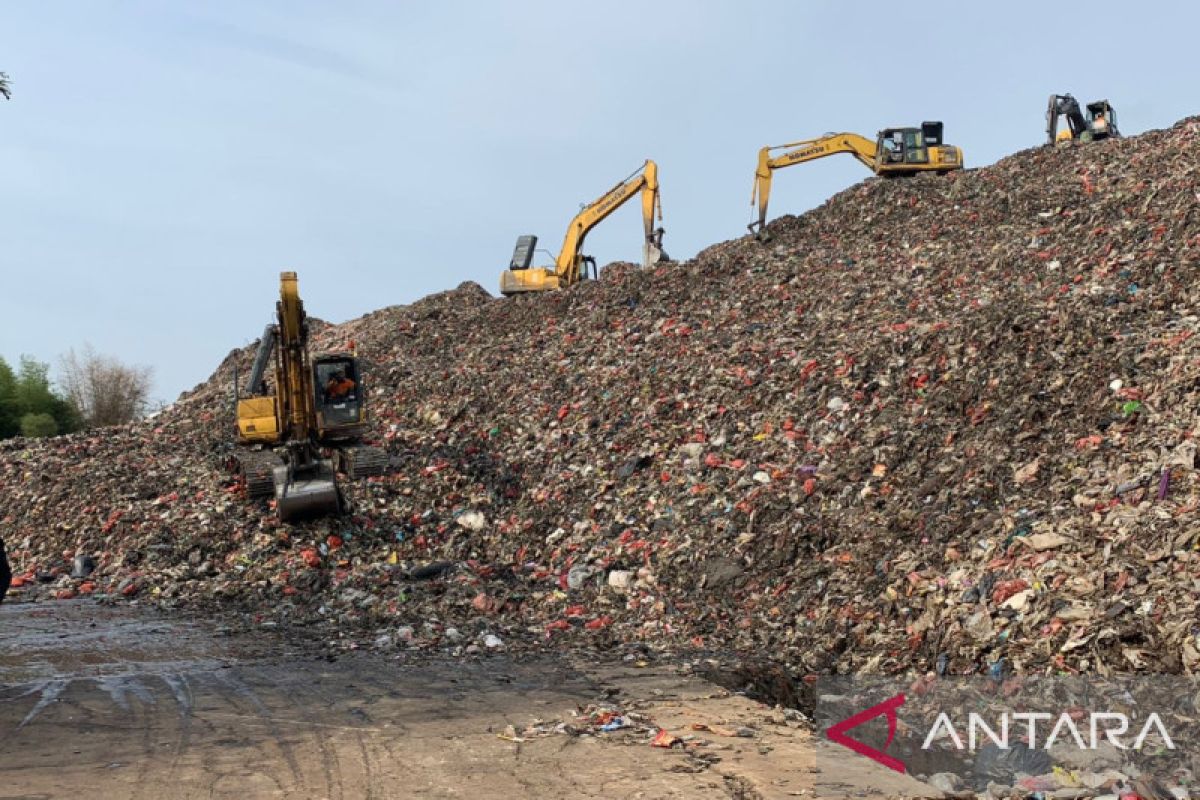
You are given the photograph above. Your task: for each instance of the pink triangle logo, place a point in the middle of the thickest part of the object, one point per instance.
(837, 733)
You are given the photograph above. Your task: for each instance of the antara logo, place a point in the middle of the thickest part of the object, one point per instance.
(837, 733)
(1102, 727)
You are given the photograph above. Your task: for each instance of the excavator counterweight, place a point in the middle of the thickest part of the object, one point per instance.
(572, 266)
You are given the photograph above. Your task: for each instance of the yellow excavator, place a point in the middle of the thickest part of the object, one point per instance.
(895, 152)
(293, 442)
(572, 266)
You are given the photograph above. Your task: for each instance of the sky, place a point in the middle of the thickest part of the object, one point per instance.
(161, 163)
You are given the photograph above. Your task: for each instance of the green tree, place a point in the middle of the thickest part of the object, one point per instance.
(33, 385)
(28, 393)
(35, 426)
(65, 415)
(9, 418)
(36, 396)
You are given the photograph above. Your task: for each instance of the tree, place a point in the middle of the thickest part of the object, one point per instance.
(102, 390)
(28, 393)
(36, 396)
(9, 418)
(33, 385)
(35, 426)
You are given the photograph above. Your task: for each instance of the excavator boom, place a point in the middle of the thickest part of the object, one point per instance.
(830, 144)
(295, 377)
(1064, 105)
(304, 484)
(570, 264)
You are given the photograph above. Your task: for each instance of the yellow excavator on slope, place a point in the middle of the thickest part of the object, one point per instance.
(572, 266)
(895, 152)
(293, 443)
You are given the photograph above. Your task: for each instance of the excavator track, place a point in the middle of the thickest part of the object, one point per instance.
(362, 462)
(257, 468)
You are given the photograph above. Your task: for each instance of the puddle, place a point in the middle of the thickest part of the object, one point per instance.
(129, 654)
(79, 639)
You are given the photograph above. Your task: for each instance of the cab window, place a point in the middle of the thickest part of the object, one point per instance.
(914, 147)
(337, 382)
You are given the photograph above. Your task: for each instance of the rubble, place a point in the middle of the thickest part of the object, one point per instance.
(940, 424)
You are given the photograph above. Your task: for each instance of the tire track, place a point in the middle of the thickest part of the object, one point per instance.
(301, 697)
(246, 694)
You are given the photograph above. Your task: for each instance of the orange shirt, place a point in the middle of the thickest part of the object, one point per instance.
(339, 388)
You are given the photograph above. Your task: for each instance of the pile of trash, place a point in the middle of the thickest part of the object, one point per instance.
(937, 424)
(610, 721)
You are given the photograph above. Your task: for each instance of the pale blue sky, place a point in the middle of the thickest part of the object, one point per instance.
(162, 162)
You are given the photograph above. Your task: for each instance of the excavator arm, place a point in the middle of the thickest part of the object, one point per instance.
(830, 144)
(1064, 105)
(644, 181)
(294, 379)
(305, 483)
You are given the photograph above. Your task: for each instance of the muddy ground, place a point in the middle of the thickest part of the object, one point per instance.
(122, 702)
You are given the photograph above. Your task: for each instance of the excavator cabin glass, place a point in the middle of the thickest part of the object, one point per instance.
(903, 146)
(336, 384)
(1102, 119)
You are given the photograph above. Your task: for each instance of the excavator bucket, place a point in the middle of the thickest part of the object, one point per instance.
(652, 252)
(652, 255)
(310, 494)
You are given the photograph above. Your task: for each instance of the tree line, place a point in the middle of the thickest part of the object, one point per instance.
(92, 391)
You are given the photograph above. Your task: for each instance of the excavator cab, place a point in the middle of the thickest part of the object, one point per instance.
(1102, 120)
(337, 384)
(906, 151)
(898, 147)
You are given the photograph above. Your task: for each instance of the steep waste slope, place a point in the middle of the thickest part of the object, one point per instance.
(934, 423)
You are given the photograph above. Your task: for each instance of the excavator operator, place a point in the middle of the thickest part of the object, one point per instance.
(894, 148)
(338, 387)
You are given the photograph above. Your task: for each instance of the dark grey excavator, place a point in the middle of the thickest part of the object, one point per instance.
(1100, 122)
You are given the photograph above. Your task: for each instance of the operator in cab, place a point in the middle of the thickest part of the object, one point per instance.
(338, 387)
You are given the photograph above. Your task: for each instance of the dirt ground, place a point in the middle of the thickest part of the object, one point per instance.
(121, 702)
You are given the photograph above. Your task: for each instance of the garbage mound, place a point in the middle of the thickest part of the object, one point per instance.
(939, 423)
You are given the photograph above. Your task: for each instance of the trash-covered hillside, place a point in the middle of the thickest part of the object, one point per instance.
(935, 423)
